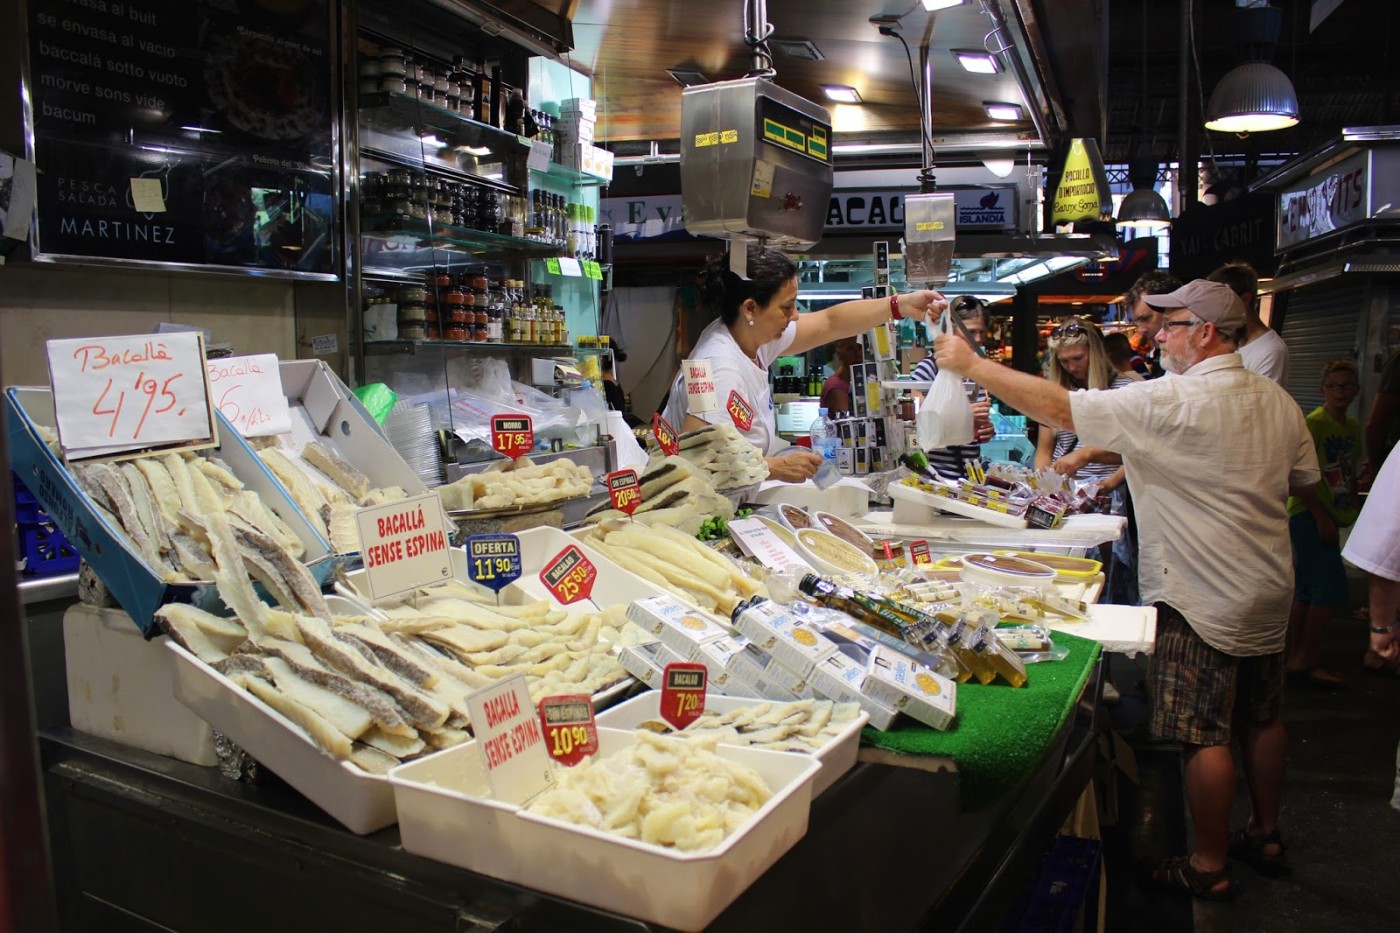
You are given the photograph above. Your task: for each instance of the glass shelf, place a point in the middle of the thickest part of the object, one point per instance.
(571, 175)
(386, 347)
(410, 111)
(446, 236)
(418, 163)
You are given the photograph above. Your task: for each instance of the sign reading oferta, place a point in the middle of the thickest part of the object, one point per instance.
(1083, 193)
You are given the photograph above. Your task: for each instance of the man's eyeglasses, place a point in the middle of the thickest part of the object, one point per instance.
(1167, 324)
(1339, 385)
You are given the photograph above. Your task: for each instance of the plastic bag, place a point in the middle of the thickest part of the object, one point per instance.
(945, 418)
(378, 400)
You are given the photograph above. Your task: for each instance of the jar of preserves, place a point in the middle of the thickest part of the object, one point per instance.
(455, 332)
(440, 86)
(412, 70)
(391, 62)
(393, 84)
(906, 407)
(458, 315)
(477, 281)
(441, 279)
(413, 331)
(411, 294)
(413, 313)
(453, 297)
(430, 313)
(434, 332)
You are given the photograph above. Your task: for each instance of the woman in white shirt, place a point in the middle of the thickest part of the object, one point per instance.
(757, 323)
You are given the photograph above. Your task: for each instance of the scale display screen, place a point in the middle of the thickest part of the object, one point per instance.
(780, 125)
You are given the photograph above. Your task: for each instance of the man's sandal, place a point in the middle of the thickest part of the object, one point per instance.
(1177, 874)
(1249, 849)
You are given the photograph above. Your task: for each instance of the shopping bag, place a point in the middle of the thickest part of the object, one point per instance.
(945, 418)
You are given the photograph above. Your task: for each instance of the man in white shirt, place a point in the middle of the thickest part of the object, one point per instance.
(1211, 458)
(1262, 349)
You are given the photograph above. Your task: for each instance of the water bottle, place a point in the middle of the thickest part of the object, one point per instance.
(825, 441)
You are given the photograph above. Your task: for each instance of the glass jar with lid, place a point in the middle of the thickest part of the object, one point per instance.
(391, 62)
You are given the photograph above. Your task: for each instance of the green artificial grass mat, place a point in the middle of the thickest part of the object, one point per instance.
(1001, 732)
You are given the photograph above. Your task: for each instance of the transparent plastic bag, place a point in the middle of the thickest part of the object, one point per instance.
(945, 418)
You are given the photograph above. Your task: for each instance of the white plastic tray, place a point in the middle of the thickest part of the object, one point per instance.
(360, 801)
(908, 503)
(837, 756)
(445, 813)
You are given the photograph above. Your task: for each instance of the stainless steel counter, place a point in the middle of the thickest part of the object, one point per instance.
(45, 589)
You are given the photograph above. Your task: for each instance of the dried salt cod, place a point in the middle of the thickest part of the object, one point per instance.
(517, 486)
(725, 455)
(674, 493)
(328, 489)
(676, 562)
(671, 791)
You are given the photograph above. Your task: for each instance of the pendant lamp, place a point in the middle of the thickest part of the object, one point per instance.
(1254, 97)
(1143, 206)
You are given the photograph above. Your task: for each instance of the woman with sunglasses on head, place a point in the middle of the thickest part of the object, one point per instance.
(757, 323)
(951, 462)
(1078, 361)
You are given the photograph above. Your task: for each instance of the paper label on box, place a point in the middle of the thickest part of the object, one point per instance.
(404, 545)
(569, 266)
(493, 561)
(759, 542)
(510, 739)
(570, 733)
(641, 662)
(920, 693)
(762, 186)
(838, 678)
(248, 391)
(700, 394)
(119, 394)
(569, 576)
(683, 694)
(675, 623)
(715, 655)
(325, 344)
(512, 435)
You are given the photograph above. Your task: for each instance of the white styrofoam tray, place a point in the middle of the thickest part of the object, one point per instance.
(837, 756)
(1128, 630)
(360, 801)
(446, 813)
(911, 504)
(121, 687)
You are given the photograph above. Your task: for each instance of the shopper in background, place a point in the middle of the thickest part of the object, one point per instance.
(1212, 457)
(951, 462)
(1262, 349)
(1078, 361)
(1383, 423)
(836, 390)
(1121, 354)
(1147, 319)
(1320, 580)
(758, 322)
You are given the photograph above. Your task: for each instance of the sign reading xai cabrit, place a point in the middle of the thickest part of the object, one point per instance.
(404, 545)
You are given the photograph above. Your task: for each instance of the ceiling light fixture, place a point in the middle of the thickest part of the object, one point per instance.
(1143, 207)
(801, 49)
(978, 62)
(1002, 112)
(841, 93)
(932, 5)
(1000, 167)
(687, 77)
(1254, 97)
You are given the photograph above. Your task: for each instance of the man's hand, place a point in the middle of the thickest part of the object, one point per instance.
(982, 428)
(1071, 463)
(1327, 529)
(953, 353)
(794, 467)
(923, 305)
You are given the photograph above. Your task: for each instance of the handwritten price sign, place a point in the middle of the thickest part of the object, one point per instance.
(623, 489)
(248, 391)
(665, 435)
(493, 560)
(569, 576)
(683, 694)
(570, 733)
(740, 411)
(113, 395)
(512, 435)
(918, 553)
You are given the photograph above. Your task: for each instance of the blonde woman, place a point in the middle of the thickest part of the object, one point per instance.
(1078, 361)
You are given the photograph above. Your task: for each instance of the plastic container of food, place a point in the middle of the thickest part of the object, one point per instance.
(830, 555)
(1068, 569)
(844, 530)
(1005, 570)
(795, 518)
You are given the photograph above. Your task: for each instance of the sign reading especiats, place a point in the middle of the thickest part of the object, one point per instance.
(404, 545)
(510, 740)
(114, 395)
(512, 435)
(248, 392)
(624, 491)
(493, 560)
(570, 733)
(665, 435)
(683, 693)
(569, 576)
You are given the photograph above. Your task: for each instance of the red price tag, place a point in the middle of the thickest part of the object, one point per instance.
(569, 576)
(512, 435)
(918, 553)
(570, 734)
(739, 410)
(683, 694)
(665, 435)
(626, 494)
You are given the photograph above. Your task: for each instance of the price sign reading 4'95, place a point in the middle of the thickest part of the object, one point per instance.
(512, 435)
(665, 435)
(569, 576)
(493, 560)
(117, 394)
(570, 734)
(683, 693)
(918, 553)
(626, 494)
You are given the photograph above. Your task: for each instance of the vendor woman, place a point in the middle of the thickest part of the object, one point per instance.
(757, 323)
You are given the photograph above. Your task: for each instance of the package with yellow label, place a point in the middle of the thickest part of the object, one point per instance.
(911, 688)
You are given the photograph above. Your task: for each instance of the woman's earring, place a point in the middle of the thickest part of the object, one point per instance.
(751, 322)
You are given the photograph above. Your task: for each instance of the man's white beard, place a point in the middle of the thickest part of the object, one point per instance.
(1173, 364)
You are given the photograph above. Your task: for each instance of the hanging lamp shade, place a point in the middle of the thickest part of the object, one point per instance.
(1143, 206)
(1252, 98)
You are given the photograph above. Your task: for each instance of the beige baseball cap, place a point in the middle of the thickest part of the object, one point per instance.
(1210, 301)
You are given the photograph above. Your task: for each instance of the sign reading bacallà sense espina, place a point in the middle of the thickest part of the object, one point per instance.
(404, 545)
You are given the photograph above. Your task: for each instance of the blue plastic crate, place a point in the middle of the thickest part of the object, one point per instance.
(45, 550)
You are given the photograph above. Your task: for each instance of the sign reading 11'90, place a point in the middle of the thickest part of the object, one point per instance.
(195, 133)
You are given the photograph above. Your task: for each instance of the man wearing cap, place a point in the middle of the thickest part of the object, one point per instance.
(1211, 457)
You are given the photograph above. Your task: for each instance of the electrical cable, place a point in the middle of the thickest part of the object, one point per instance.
(927, 170)
(1200, 94)
(759, 45)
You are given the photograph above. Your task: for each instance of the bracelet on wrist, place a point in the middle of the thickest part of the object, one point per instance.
(1383, 629)
(895, 313)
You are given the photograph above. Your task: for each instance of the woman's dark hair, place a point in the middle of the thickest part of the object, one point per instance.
(723, 292)
(968, 307)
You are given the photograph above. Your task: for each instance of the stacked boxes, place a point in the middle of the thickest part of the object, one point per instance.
(575, 128)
